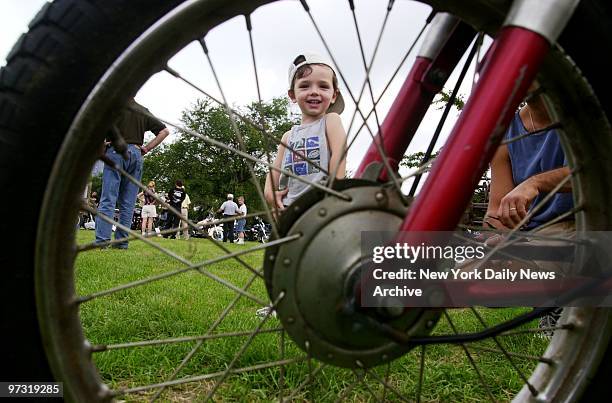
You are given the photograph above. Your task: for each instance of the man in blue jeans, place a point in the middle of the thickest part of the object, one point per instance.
(117, 190)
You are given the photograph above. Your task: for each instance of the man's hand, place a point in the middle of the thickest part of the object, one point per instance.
(513, 206)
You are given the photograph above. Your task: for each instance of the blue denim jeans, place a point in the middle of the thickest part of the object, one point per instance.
(118, 191)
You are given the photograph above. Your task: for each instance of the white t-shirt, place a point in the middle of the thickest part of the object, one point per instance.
(229, 208)
(243, 210)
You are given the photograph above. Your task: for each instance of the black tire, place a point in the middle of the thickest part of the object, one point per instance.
(49, 74)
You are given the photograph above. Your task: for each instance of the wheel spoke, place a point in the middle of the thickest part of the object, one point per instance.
(421, 373)
(200, 343)
(240, 138)
(518, 355)
(395, 73)
(190, 267)
(508, 356)
(567, 326)
(307, 381)
(249, 26)
(245, 119)
(350, 388)
(247, 156)
(97, 245)
(555, 125)
(470, 358)
(366, 82)
(376, 141)
(213, 375)
(386, 385)
(246, 344)
(170, 208)
(147, 343)
(442, 121)
(368, 388)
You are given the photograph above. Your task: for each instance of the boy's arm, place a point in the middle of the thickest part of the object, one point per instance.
(272, 179)
(336, 137)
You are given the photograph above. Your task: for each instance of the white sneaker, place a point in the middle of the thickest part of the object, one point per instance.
(240, 242)
(261, 313)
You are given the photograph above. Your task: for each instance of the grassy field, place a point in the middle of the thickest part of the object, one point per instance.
(188, 304)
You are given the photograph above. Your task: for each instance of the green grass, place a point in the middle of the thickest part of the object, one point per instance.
(189, 303)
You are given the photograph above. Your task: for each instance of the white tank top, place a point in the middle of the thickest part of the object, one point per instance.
(308, 140)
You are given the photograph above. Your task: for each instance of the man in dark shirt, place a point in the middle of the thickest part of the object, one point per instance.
(117, 190)
(175, 198)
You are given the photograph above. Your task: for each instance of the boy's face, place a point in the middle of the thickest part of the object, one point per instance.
(314, 93)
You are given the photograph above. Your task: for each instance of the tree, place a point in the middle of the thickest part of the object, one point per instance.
(210, 172)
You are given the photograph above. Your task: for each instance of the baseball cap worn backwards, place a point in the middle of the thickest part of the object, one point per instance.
(314, 58)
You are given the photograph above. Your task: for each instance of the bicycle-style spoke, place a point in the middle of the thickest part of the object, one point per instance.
(421, 373)
(565, 326)
(359, 378)
(249, 27)
(169, 207)
(552, 126)
(387, 86)
(387, 374)
(260, 127)
(367, 386)
(200, 343)
(233, 371)
(386, 385)
(246, 345)
(99, 348)
(97, 245)
(247, 156)
(281, 374)
(470, 358)
(190, 267)
(442, 121)
(508, 356)
(512, 354)
(240, 138)
(376, 141)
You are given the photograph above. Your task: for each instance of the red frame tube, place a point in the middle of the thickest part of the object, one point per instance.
(425, 80)
(513, 64)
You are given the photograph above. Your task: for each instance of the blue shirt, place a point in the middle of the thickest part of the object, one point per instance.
(532, 155)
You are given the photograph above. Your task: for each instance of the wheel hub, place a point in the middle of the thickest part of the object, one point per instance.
(319, 276)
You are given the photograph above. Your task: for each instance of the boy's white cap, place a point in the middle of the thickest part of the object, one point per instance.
(315, 58)
(230, 196)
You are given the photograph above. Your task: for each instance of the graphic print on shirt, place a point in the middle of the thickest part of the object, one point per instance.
(294, 161)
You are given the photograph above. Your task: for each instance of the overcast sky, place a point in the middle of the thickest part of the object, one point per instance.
(280, 32)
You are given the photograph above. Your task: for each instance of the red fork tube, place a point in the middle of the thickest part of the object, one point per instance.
(426, 79)
(515, 59)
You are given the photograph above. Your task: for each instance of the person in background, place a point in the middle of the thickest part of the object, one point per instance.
(149, 211)
(117, 190)
(175, 198)
(229, 209)
(185, 213)
(242, 212)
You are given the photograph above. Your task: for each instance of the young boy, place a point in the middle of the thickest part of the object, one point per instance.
(320, 137)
